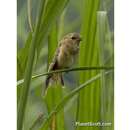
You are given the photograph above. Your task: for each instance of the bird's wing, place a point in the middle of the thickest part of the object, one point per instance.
(53, 65)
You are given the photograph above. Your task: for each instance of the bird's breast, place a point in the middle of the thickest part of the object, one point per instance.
(65, 59)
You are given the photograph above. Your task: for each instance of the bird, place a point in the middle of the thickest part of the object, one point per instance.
(65, 56)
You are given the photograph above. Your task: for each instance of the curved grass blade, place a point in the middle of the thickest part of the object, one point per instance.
(28, 74)
(106, 81)
(22, 57)
(88, 57)
(29, 9)
(36, 123)
(66, 70)
(63, 102)
(52, 11)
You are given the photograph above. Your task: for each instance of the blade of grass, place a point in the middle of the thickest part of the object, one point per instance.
(49, 18)
(67, 70)
(88, 57)
(110, 78)
(95, 93)
(61, 27)
(106, 112)
(52, 98)
(52, 42)
(28, 73)
(42, 26)
(37, 122)
(63, 101)
(22, 58)
(21, 30)
(54, 93)
(101, 21)
(29, 8)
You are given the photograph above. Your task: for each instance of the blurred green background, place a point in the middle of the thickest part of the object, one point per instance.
(94, 20)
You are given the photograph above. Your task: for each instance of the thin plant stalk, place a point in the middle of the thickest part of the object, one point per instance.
(67, 70)
(29, 8)
(65, 100)
(28, 74)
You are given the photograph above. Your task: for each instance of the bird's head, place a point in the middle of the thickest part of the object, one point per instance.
(71, 42)
(74, 38)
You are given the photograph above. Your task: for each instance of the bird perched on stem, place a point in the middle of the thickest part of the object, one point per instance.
(64, 57)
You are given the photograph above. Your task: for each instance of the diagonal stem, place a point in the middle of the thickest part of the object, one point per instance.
(67, 70)
(62, 103)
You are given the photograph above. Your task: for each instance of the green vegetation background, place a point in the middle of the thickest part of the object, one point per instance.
(88, 95)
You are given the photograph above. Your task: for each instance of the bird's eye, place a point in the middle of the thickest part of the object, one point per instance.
(73, 38)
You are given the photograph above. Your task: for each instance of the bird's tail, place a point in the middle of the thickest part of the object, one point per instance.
(54, 78)
(48, 80)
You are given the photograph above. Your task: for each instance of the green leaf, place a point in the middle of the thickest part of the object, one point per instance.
(29, 10)
(46, 18)
(86, 109)
(52, 97)
(22, 58)
(60, 105)
(52, 42)
(67, 70)
(53, 21)
(106, 81)
(52, 11)
(28, 74)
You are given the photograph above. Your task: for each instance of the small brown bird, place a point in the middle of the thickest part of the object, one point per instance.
(65, 56)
